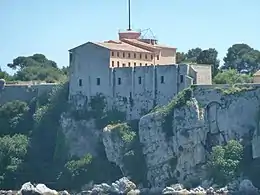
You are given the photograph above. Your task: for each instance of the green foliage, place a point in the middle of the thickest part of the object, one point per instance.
(34, 73)
(4, 75)
(75, 172)
(11, 114)
(167, 111)
(242, 57)
(199, 56)
(231, 76)
(209, 57)
(45, 134)
(133, 158)
(12, 153)
(124, 131)
(224, 163)
(35, 68)
(235, 89)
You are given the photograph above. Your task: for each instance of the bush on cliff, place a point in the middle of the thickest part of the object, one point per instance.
(11, 115)
(47, 138)
(224, 162)
(75, 173)
(13, 150)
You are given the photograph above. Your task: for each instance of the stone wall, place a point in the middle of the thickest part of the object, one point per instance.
(133, 90)
(23, 92)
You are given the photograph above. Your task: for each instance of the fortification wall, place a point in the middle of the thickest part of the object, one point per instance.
(23, 92)
(134, 90)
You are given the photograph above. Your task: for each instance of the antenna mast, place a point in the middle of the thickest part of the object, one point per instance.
(129, 15)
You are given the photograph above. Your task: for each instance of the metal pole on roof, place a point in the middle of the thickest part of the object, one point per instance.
(129, 15)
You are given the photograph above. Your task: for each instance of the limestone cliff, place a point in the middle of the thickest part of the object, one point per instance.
(82, 135)
(172, 142)
(177, 138)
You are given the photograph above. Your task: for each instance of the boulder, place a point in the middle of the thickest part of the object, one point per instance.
(247, 188)
(29, 189)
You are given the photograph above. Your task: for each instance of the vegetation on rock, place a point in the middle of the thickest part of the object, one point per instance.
(235, 89)
(224, 162)
(167, 111)
(123, 131)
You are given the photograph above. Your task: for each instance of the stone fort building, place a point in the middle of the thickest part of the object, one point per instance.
(133, 73)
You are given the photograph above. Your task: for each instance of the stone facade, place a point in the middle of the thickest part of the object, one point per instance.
(134, 90)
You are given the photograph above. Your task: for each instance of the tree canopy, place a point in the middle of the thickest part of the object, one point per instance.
(242, 57)
(199, 56)
(35, 68)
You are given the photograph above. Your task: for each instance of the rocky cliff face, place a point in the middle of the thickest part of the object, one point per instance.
(82, 135)
(177, 138)
(176, 141)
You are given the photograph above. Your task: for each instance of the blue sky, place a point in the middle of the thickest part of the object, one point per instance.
(52, 27)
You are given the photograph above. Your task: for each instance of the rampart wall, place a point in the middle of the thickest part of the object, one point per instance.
(133, 90)
(23, 92)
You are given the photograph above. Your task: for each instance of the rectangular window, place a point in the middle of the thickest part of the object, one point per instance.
(134, 55)
(129, 64)
(151, 57)
(117, 63)
(140, 80)
(119, 81)
(80, 82)
(112, 53)
(98, 81)
(140, 56)
(162, 79)
(181, 78)
(123, 54)
(145, 56)
(117, 54)
(134, 64)
(129, 55)
(140, 64)
(113, 63)
(158, 57)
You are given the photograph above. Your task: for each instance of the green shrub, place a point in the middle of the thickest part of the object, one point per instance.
(224, 163)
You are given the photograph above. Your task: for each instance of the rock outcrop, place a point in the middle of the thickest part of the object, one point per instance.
(82, 136)
(177, 138)
(39, 189)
